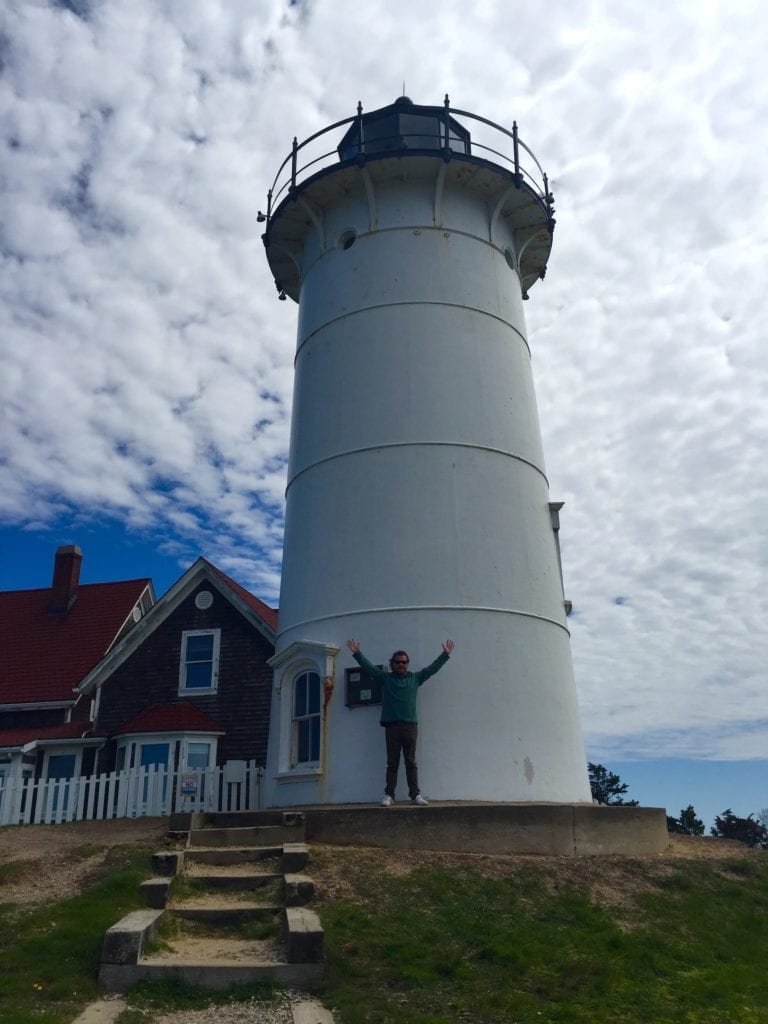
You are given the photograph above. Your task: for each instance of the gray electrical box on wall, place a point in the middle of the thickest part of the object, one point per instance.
(360, 688)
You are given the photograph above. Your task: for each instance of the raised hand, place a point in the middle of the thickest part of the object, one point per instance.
(448, 646)
(353, 645)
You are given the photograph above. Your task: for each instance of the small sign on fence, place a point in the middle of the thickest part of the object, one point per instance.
(189, 782)
(235, 771)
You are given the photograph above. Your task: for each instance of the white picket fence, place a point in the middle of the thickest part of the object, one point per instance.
(141, 792)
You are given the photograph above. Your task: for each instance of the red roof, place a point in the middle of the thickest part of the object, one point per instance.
(66, 731)
(269, 615)
(181, 717)
(45, 655)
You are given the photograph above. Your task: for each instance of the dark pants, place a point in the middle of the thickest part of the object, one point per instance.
(402, 736)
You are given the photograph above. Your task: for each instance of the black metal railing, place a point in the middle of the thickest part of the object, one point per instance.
(291, 173)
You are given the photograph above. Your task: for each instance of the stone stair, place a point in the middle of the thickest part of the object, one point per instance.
(228, 909)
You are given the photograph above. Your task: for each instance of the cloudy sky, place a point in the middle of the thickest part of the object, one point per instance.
(147, 364)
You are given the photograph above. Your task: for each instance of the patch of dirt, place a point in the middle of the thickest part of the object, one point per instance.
(206, 949)
(708, 848)
(612, 881)
(244, 869)
(47, 862)
(252, 1011)
(39, 863)
(244, 899)
(44, 862)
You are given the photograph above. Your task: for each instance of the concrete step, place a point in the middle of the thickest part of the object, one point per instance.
(202, 957)
(238, 819)
(197, 945)
(304, 936)
(212, 974)
(289, 890)
(156, 891)
(235, 880)
(213, 936)
(290, 820)
(298, 890)
(295, 857)
(258, 835)
(232, 854)
(293, 934)
(222, 915)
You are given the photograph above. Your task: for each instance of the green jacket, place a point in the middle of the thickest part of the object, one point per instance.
(399, 692)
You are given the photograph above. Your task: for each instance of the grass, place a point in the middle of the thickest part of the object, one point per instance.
(526, 943)
(174, 928)
(189, 887)
(12, 871)
(442, 947)
(49, 956)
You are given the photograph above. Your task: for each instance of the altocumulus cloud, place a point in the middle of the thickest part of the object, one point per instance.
(147, 366)
(143, 380)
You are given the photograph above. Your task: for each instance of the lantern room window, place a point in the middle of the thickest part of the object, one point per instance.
(403, 126)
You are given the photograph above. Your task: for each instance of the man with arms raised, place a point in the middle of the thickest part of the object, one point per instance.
(400, 688)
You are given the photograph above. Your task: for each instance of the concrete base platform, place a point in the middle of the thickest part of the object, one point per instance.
(565, 830)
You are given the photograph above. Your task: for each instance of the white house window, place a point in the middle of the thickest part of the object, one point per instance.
(199, 669)
(306, 719)
(165, 751)
(154, 755)
(61, 766)
(59, 769)
(198, 756)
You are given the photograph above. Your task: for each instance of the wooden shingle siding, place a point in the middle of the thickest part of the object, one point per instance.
(150, 675)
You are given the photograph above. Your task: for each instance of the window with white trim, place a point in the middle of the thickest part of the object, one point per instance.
(302, 672)
(199, 668)
(306, 719)
(60, 768)
(197, 756)
(154, 755)
(167, 750)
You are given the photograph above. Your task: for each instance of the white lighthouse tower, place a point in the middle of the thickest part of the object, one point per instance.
(417, 502)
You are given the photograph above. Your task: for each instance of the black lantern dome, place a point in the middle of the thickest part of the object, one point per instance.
(403, 126)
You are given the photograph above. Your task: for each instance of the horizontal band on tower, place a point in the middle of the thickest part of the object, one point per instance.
(417, 444)
(411, 302)
(426, 608)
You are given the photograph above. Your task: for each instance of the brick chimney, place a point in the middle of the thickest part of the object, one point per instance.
(66, 577)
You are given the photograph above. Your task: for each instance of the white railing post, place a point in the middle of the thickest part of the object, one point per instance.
(25, 798)
(5, 801)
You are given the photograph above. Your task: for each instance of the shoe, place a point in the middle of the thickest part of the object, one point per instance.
(419, 801)
(387, 801)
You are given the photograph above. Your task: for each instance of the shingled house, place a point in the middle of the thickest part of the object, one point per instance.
(103, 676)
(51, 638)
(190, 686)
